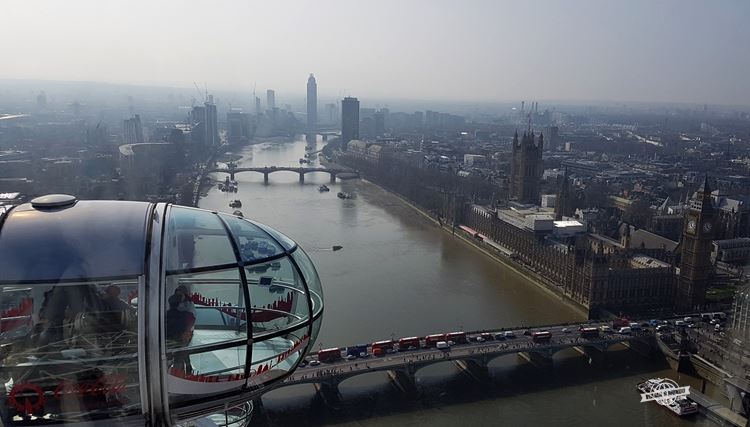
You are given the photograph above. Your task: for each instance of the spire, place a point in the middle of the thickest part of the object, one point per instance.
(705, 188)
(541, 140)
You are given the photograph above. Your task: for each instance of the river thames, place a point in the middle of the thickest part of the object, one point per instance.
(400, 275)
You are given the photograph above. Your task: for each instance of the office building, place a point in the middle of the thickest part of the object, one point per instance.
(270, 99)
(239, 128)
(349, 119)
(312, 103)
(132, 129)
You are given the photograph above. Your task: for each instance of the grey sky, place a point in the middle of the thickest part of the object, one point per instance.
(646, 50)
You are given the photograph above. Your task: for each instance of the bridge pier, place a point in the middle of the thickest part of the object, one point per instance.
(540, 360)
(475, 369)
(231, 176)
(329, 393)
(333, 177)
(301, 178)
(265, 178)
(641, 347)
(404, 381)
(595, 353)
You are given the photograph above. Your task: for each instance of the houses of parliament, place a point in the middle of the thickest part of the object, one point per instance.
(635, 272)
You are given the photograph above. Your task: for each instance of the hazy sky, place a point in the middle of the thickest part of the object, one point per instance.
(494, 50)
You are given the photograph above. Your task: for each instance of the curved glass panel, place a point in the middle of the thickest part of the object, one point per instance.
(88, 240)
(196, 238)
(69, 352)
(277, 295)
(206, 332)
(286, 242)
(311, 277)
(254, 244)
(275, 357)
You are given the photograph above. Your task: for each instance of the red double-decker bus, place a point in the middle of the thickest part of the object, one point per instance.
(410, 343)
(329, 355)
(432, 340)
(589, 332)
(457, 337)
(541, 336)
(381, 347)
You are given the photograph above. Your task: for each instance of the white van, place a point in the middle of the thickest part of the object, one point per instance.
(510, 334)
(442, 345)
(624, 330)
(635, 326)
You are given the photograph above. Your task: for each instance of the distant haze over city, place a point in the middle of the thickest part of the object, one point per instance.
(491, 51)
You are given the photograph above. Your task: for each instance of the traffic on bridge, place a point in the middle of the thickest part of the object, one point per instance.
(479, 348)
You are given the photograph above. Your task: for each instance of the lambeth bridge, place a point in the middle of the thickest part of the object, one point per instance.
(472, 357)
(231, 169)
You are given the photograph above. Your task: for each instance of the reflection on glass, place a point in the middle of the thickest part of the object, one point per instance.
(253, 243)
(286, 242)
(55, 339)
(206, 314)
(311, 278)
(195, 239)
(277, 295)
(276, 356)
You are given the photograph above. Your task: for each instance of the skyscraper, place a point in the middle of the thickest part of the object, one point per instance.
(349, 119)
(212, 122)
(132, 129)
(552, 139)
(526, 168)
(695, 261)
(379, 123)
(257, 105)
(270, 99)
(312, 103)
(239, 128)
(205, 123)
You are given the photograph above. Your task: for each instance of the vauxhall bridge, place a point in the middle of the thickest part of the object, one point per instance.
(232, 169)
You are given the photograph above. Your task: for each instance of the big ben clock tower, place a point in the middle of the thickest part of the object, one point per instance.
(695, 264)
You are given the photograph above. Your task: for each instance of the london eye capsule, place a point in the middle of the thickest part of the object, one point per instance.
(119, 312)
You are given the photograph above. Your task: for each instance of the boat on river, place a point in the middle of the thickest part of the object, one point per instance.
(236, 203)
(323, 188)
(342, 195)
(682, 406)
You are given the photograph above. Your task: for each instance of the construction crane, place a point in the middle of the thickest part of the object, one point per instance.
(205, 97)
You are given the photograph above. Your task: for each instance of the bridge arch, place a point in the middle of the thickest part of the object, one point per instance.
(301, 171)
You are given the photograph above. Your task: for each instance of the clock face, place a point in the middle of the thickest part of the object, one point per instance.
(707, 227)
(691, 226)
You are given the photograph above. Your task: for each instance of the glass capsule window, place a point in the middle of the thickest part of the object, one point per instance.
(240, 302)
(124, 310)
(70, 350)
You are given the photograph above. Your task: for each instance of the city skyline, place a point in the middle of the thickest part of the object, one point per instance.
(494, 51)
